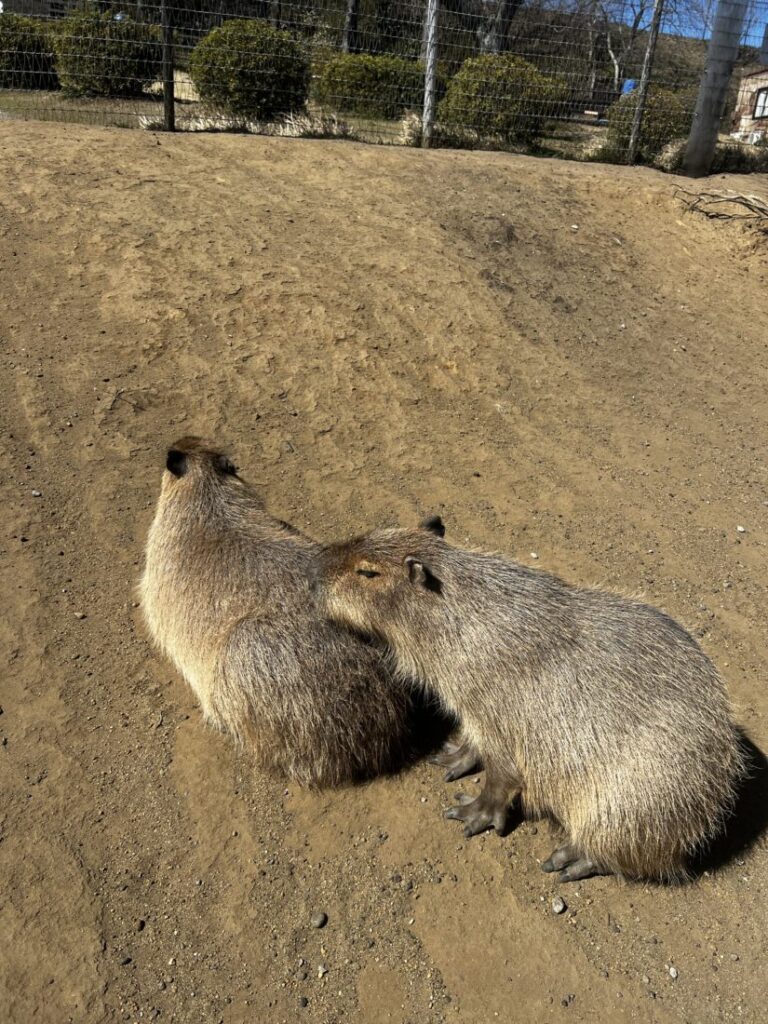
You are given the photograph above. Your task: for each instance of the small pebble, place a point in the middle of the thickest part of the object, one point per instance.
(125, 961)
(303, 1001)
(559, 906)
(322, 970)
(37, 494)
(741, 529)
(79, 615)
(319, 920)
(646, 980)
(534, 555)
(673, 973)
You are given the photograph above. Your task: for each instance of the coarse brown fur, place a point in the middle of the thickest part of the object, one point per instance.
(225, 595)
(600, 711)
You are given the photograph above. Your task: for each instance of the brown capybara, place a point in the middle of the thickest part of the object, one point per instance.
(599, 711)
(225, 594)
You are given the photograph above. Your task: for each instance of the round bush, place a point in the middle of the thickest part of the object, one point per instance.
(502, 95)
(248, 69)
(26, 54)
(358, 83)
(96, 55)
(667, 116)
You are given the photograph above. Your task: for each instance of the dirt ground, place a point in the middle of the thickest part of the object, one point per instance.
(553, 356)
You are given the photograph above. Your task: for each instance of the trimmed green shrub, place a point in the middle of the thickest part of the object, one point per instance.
(358, 83)
(249, 69)
(667, 116)
(500, 95)
(99, 56)
(26, 54)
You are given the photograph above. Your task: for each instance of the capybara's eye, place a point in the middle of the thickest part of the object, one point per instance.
(368, 573)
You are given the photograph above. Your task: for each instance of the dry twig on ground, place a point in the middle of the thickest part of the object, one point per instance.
(711, 205)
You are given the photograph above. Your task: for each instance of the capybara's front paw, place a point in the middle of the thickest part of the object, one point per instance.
(479, 814)
(459, 759)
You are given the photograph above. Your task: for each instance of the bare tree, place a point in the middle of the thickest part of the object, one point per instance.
(349, 42)
(622, 22)
(495, 20)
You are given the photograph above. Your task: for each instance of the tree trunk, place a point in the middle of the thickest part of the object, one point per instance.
(493, 32)
(349, 42)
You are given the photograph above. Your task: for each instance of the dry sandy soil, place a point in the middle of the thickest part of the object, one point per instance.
(555, 357)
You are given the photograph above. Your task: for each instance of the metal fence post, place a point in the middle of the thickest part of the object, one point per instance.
(645, 81)
(430, 74)
(721, 57)
(169, 112)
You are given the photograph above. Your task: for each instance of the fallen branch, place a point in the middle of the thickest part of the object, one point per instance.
(711, 203)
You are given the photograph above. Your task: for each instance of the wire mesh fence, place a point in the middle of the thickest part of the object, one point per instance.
(615, 79)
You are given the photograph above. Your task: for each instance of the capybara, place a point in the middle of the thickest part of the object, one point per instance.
(599, 711)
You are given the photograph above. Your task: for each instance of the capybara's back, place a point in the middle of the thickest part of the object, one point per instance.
(225, 594)
(638, 724)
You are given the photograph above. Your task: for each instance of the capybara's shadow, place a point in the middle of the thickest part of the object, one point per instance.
(430, 727)
(749, 818)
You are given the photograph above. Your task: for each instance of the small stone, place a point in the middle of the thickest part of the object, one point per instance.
(534, 555)
(646, 980)
(287, 447)
(559, 906)
(674, 973)
(125, 961)
(37, 494)
(303, 1001)
(172, 961)
(319, 920)
(734, 957)
(741, 529)
(322, 970)
(79, 615)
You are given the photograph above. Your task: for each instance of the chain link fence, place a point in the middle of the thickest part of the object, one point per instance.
(595, 79)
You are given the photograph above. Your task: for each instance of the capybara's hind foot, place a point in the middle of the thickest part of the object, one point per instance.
(571, 864)
(459, 758)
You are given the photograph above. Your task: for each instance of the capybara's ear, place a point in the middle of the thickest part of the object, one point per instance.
(433, 524)
(176, 462)
(226, 465)
(421, 575)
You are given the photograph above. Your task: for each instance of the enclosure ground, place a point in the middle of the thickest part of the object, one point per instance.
(555, 357)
